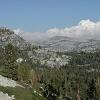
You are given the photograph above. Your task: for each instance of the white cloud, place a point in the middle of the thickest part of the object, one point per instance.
(85, 29)
(29, 36)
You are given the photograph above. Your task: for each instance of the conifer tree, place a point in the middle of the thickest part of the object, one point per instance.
(10, 61)
(91, 91)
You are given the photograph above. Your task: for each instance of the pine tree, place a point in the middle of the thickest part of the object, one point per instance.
(10, 62)
(91, 91)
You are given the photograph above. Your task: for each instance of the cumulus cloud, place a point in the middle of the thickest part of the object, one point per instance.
(83, 30)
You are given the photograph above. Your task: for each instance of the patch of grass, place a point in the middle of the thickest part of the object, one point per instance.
(21, 93)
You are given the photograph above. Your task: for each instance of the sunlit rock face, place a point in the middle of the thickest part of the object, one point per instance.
(5, 96)
(49, 58)
(8, 82)
(7, 36)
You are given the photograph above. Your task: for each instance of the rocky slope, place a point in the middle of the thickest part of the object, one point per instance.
(48, 58)
(88, 45)
(5, 96)
(6, 82)
(58, 43)
(67, 44)
(37, 55)
(7, 36)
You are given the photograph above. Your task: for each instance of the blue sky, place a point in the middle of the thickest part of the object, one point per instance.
(41, 15)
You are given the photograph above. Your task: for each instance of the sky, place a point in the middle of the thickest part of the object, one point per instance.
(41, 15)
(40, 18)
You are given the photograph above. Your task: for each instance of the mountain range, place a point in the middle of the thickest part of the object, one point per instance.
(45, 52)
(68, 44)
(38, 56)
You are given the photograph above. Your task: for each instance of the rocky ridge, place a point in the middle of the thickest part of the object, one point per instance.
(67, 44)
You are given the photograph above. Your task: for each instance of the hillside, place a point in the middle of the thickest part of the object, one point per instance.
(7, 36)
(15, 68)
(11, 90)
(33, 72)
(34, 53)
(67, 44)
